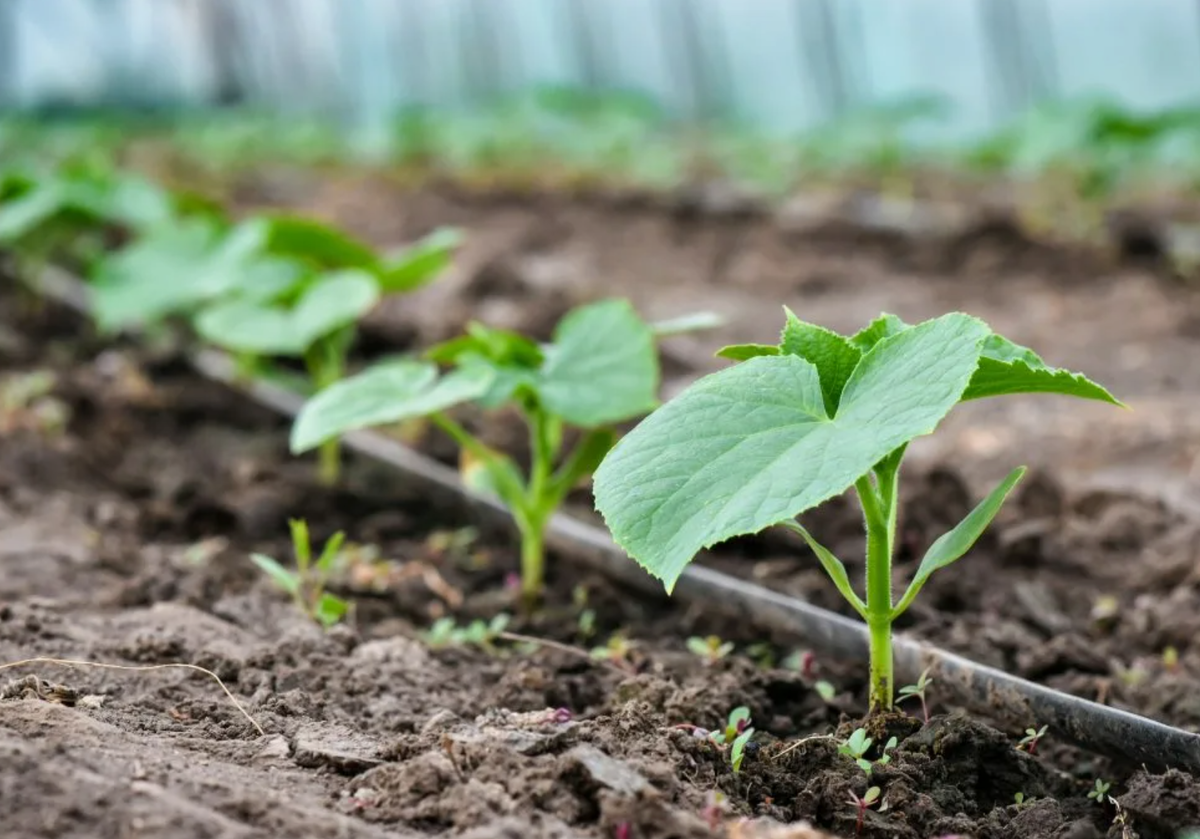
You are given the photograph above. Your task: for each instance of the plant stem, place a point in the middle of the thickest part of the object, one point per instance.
(533, 559)
(879, 593)
(325, 364)
(544, 440)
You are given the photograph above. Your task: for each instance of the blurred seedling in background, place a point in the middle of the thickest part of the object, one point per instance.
(858, 744)
(917, 690)
(446, 632)
(1033, 736)
(869, 799)
(323, 284)
(710, 649)
(617, 650)
(586, 622)
(716, 807)
(1170, 659)
(748, 448)
(27, 403)
(307, 583)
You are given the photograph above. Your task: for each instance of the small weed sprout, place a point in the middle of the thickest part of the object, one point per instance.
(868, 800)
(825, 690)
(446, 632)
(307, 583)
(1170, 659)
(750, 447)
(715, 808)
(1099, 791)
(1033, 736)
(711, 649)
(737, 750)
(734, 739)
(918, 690)
(617, 650)
(858, 744)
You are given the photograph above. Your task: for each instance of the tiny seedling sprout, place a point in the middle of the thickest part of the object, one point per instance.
(861, 805)
(307, 583)
(1099, 791)
(711, 648)
(918, 690)
(1033, 736)
(858, 744)
(446, 632)
(792, 425)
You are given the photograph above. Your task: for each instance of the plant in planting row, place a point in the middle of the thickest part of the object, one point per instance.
(799, 422)
(271, 286)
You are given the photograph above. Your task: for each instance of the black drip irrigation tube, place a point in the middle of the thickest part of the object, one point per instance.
(998, 694)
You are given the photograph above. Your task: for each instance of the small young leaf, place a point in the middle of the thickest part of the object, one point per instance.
(743, 352)
(384, 394)
(329, 553)
(282, 577)
(1007, 368)
(489, 472)
(737, 752)
(330, 609)
(833, 567)
(301, 546)
(602, 367)
(752, 446)
(834, 356)
(952, 545)
(698, 646)
(335, 300)
(420, 263)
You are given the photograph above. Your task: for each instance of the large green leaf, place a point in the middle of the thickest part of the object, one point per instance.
(420, 263)
(1007, 368)
(602, 366)
(382, 395)
(331, 302)
(951, 546)
(834, 356)
(171, 269)
(752, 446)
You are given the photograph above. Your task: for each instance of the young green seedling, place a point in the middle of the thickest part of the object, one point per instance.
(313, 313)
(307, 583)
(918, 690)
(1099, 792)
(712, 649)
(600, 369)
(446, 632)
(869, 799)
(798, 423)
(1033, 736)
(858, 744)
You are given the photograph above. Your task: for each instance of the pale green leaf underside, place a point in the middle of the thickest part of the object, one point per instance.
(602, 367)
(952, 545)
(834, 356)
(752, 446)
(382, 395)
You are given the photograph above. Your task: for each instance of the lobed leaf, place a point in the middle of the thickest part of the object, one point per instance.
(1008, 368)
(752, 446)
(833, 355)
(381, 395)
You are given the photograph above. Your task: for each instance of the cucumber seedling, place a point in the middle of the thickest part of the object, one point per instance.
(795, 424)
(600, 369)
(312, 312)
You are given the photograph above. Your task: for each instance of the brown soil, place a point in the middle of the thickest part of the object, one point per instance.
(127, 538)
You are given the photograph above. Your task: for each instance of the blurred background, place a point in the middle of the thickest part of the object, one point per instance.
(1032, 161)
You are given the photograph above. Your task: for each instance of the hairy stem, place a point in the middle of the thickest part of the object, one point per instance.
(879, 593)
